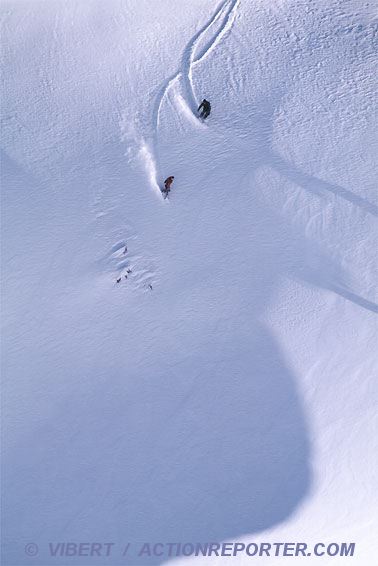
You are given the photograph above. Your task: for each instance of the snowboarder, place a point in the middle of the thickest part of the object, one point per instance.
(167, 185)
(204, 109)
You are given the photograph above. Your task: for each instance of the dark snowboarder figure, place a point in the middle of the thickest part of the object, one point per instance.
(204, 109)
(167, 185)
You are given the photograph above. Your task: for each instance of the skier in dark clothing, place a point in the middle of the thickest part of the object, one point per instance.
(167, 185)
(204, 109)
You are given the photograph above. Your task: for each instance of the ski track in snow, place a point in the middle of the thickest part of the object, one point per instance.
(226, 13)
(147, 155)
(228, 9)
(187, 62)
(148, 149)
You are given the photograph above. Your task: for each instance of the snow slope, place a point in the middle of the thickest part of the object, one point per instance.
(236, 398)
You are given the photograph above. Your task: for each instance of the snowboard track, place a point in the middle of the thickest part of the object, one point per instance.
(228, 9)
(225, 13)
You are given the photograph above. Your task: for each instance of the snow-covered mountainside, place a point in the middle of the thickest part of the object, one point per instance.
(225, 389)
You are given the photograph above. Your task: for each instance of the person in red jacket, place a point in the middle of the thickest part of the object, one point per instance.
(167, 185)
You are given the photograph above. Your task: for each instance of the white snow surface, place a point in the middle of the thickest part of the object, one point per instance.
(236, 399)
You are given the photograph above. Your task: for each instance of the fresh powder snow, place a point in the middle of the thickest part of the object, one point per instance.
(201, 368)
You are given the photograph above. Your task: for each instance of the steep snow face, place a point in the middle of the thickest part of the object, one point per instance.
(225, 387)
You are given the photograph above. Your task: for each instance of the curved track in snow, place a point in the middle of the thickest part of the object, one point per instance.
(226, 13)
(224, 16)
